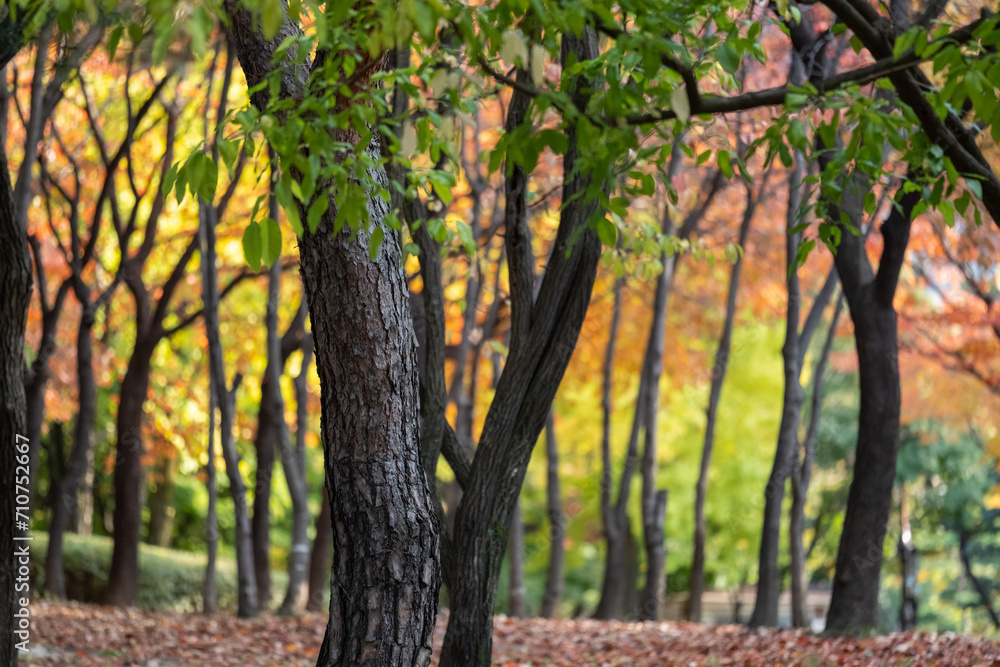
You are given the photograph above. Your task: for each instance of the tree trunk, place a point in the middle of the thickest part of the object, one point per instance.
(557, 525)
(908, 569)
(515, 561)
(711, 413)
(83, 512)
(854, 600)
(209, 595)
(524, 396)
(319, 559)
(382, 605)
(292, 462)
(984, 593)
(15, 286)
(123, 578)
(161, 507)
(248, 600)
(801, 478)
(80, 458)
(765, 610)
(261, 523)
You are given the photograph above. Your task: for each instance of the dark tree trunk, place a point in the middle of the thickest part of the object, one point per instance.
(15, 286)
(248, 600)
(123, 578)
(614, 514)
(854, 600)
(81, 455)
(382, 605)
(718, 375)
(209, 594)
(319, 559)
(516, 607)
(801, 478)
(557, 525)
(908, 569)
(161, 506)
(984, 594)
(261, 523)
(524, 395)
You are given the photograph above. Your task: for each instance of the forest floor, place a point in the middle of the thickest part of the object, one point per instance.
(85, 635)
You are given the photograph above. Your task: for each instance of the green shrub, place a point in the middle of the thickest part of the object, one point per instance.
(169, 580)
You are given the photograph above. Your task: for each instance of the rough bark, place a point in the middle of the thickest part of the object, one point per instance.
(557, 528)
(384, 596)
(15, 285)
(718, 377)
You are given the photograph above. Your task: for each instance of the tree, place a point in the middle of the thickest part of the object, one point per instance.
(718, 376)
(382, 605)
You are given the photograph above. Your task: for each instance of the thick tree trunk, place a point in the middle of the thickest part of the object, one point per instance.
(81, 461)
(516, 607)
(382, 604)
(719, 369)
(15, 286)
(319, 559)
(123, 578)
(557, 525)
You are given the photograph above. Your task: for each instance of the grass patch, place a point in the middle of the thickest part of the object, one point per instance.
(169, 580)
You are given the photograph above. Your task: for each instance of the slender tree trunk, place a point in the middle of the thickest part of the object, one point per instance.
(984, 593)
(319, 559)
(161, 506)
(292, 462)
(907, 567)
(123, 578)
(515, 554)
(522, 402)
(801, 478)
(209, 595)
(81, 458)
(83, 513)
(711, 413)
(765, 611)
(15, 286)
(248, 601)
(261, 523)
(557, 525)
(382, 606)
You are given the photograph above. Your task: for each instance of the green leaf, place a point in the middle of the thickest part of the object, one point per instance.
(271, 18)
(975, 187)
(209, 179)
(113, 39)
(728, 57)
(270, 241)
(252, 245)
(607, 232)
(316, 211)
(375, 243)
(725, 164)
(680, 104)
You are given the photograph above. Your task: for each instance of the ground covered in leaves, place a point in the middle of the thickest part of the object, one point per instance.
(84, 635)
